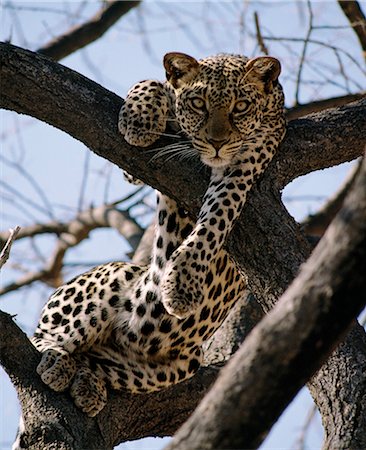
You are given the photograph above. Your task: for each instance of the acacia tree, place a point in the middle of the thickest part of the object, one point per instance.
(287, 347)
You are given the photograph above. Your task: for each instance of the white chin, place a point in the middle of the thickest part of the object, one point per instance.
(215, 163)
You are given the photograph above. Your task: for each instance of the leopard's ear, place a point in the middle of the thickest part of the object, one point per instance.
(180, 68)
(264, 69)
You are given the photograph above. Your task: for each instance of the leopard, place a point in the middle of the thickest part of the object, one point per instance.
(140, 328)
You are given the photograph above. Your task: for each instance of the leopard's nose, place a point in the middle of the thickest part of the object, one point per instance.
(217, 143)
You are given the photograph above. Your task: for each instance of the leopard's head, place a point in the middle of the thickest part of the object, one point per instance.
(223, 101)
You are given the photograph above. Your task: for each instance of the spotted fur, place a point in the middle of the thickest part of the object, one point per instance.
(140, 328)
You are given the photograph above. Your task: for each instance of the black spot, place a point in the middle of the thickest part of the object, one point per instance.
(210, 236)
(165, 326)
(161, 376)
(186, 231)
(147, 328)
(237, 173)
(159, 242)
(56, 318)
(79, 298)
(128, 305)
(162, 216)
(132, 337)
(181, 374)
(114, 300)
(128, 276)
(209, 278)
(172, 377)
(53, 304)
(188, 323)
(169, 250)
(222, 225)
(178, 341)
(45, 319)
(70, 291)
(137, 382)
(141, 310)
(202, 330)
(171, 225)
(150, 297)
(138, 374)
(193, 365)
(93, 321)
(115, 286)
(101, 294)
(90, 308)
(104, 314)
(204, 313)
(158, 310)
(77, 310)
(202, 232)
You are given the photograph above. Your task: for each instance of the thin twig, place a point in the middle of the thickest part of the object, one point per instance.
(5, 252)
(302, 59)
(357, 19)
(260, 40)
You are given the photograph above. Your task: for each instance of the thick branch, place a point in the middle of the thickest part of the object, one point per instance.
(290, 343)
(320, 105)
(125, 417)
(89, 113)
(354, 14)
(82, 35)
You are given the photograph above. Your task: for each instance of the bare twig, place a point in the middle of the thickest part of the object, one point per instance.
(84, 34)
(300, 441)
(302, 59)
(260, 40)
(357, 19)
(70, 235)
(5, 252)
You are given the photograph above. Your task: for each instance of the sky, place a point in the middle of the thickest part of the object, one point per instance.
(70, 177)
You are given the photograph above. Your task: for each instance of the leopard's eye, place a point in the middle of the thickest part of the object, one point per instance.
(241, 106)
(198, 103)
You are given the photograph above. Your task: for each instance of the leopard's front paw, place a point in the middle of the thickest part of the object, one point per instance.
(56, 369)
(181, 293)
(143, 116)
(89, 392)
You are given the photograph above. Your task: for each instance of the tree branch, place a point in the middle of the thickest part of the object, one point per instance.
(5, 251)
(70, 235)
(320, 105)
(326, 139)
(82, 35)
(126, 416)
(290, 343)
(354, 14)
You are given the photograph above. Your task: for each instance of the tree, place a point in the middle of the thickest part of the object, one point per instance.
(267, 244)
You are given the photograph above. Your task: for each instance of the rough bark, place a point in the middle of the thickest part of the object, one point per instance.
(266, 242)
(290, 343)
